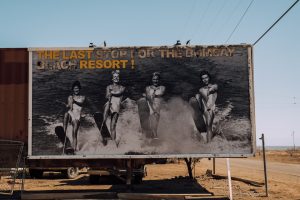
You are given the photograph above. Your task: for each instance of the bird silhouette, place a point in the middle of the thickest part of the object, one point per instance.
(187, 42)
(92, 45)
(178, 43)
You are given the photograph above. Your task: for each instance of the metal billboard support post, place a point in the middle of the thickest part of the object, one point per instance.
(229, 178)
(214, 166)
(128, 174)
(265, 163)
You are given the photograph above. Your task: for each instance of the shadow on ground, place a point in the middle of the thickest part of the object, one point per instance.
(174, 186)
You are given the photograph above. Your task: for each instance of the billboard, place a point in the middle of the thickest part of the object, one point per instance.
(141, 102)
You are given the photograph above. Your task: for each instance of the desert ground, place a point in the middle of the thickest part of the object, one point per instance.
(283, 178)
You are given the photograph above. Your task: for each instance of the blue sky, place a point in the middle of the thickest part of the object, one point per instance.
(67, 23)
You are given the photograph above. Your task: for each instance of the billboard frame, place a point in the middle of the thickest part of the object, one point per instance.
(145, 156)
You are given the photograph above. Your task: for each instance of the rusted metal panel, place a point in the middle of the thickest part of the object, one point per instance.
(11, 152)
(14, 94)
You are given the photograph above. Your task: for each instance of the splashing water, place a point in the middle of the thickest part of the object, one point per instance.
(176, 131)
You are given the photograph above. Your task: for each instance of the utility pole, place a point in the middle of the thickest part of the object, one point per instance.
(294, 100)
(293, 135)
(265, 163)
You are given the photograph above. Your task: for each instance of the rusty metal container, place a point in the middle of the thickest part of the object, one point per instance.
(14, 94)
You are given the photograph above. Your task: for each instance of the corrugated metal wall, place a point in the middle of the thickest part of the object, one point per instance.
(14, 94)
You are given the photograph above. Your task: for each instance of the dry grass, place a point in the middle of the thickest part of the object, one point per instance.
(282, 156)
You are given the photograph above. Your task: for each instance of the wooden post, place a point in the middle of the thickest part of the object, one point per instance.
(214, 165)
(229, 179)
(265, 163)
(128, 173)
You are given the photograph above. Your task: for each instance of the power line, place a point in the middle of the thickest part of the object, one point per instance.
(191, 11)
(275, 22)
(229, 17)
(198, 26)
(207, 31)
(239, 21)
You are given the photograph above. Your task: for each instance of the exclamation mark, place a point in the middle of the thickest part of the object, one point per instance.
(132, 64)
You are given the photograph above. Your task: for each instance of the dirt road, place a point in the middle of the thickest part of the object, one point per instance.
(283, 179)
(277, 171)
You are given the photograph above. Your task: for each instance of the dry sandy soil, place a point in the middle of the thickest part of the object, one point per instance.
(283, 178)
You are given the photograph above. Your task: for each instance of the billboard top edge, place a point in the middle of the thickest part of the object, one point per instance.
(113, 47)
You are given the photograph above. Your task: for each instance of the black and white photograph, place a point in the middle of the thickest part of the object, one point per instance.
(142, 101)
